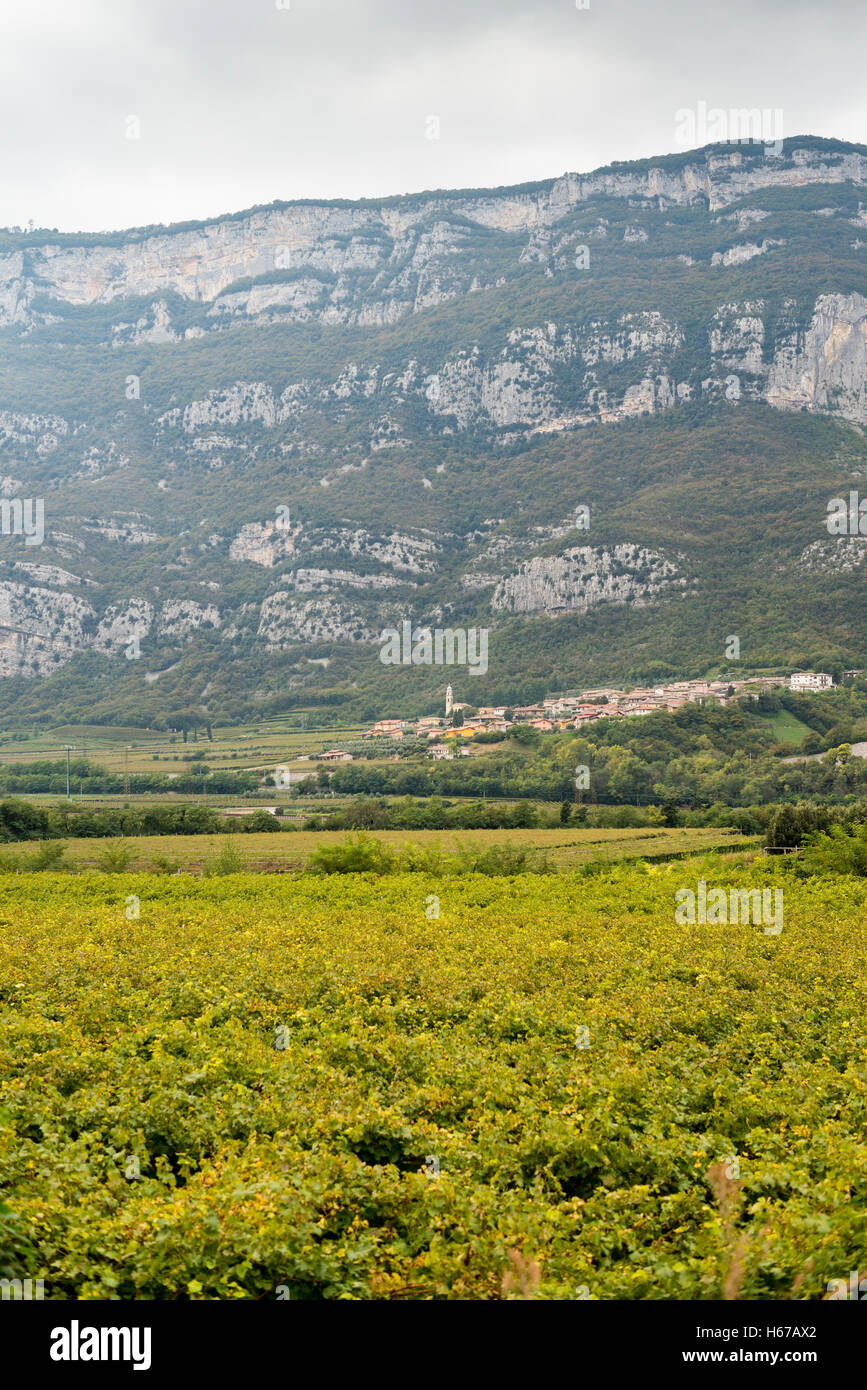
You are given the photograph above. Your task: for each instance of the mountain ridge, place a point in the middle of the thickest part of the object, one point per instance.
(429, 410)
(667, 161)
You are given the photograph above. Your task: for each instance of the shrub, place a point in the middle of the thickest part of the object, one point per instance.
(21, 821)
(357, 854)
(842, 850)
(49, 856)
(260, 820)
(502, 861)
(114, 858)
(789, 825)
(164, 864)
(229, 860)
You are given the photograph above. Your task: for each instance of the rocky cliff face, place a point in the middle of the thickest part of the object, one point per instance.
(825, 368)
(266, 432)
(583, 577)
(549, 378)
(370, 264)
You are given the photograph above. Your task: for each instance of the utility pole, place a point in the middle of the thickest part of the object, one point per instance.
(126, 770)
(67, 772)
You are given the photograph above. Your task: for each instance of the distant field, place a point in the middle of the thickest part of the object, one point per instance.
(290, 850)
(148, 750)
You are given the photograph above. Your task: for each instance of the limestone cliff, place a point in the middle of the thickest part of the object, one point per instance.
(584, 577)
(366, 263)
(294, 425)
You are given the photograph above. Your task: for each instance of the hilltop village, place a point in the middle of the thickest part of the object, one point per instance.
(461, 720)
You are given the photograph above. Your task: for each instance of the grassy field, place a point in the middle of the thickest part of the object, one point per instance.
(258, 1087)
(787, 728)
(235, 749)
(290, 850)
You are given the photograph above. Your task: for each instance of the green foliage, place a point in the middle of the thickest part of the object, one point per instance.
(216, 1101)
(89, 779)
(164, 864)
(19, 820)
(363, 854)
(501, 861)
(357, 854)
(842, 849)
(229, 859)
(790, 824)
(259, 820)
(114, 859)
(48, 857)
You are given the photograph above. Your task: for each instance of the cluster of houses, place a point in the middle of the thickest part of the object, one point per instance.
(563, 712)
(572, 711)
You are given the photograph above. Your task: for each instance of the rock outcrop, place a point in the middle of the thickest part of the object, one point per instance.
(584, 577)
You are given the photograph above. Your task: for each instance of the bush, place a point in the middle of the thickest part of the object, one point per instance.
(789, 825)
(361, 853)
(164, 864)
(113, 859)
(49, 856)
(502, 861)
(260, 820)
(21, 821)
(229, 860)
(842, 850)
(357, 854)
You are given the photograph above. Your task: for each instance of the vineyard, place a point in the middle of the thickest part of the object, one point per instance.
(409, 1087)
(263, 852)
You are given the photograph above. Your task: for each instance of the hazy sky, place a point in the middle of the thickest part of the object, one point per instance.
(241, 102)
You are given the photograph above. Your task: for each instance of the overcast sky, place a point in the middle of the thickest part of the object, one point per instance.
(240, 102)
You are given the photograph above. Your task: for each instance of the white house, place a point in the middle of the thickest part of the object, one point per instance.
(811, 680)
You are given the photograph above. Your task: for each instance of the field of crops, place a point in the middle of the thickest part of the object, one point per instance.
(119, 749)
(289, 851)
(261, 1087)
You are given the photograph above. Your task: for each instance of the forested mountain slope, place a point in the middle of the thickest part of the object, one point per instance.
(262, 439)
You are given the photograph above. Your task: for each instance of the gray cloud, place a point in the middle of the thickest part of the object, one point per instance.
(241, 102)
